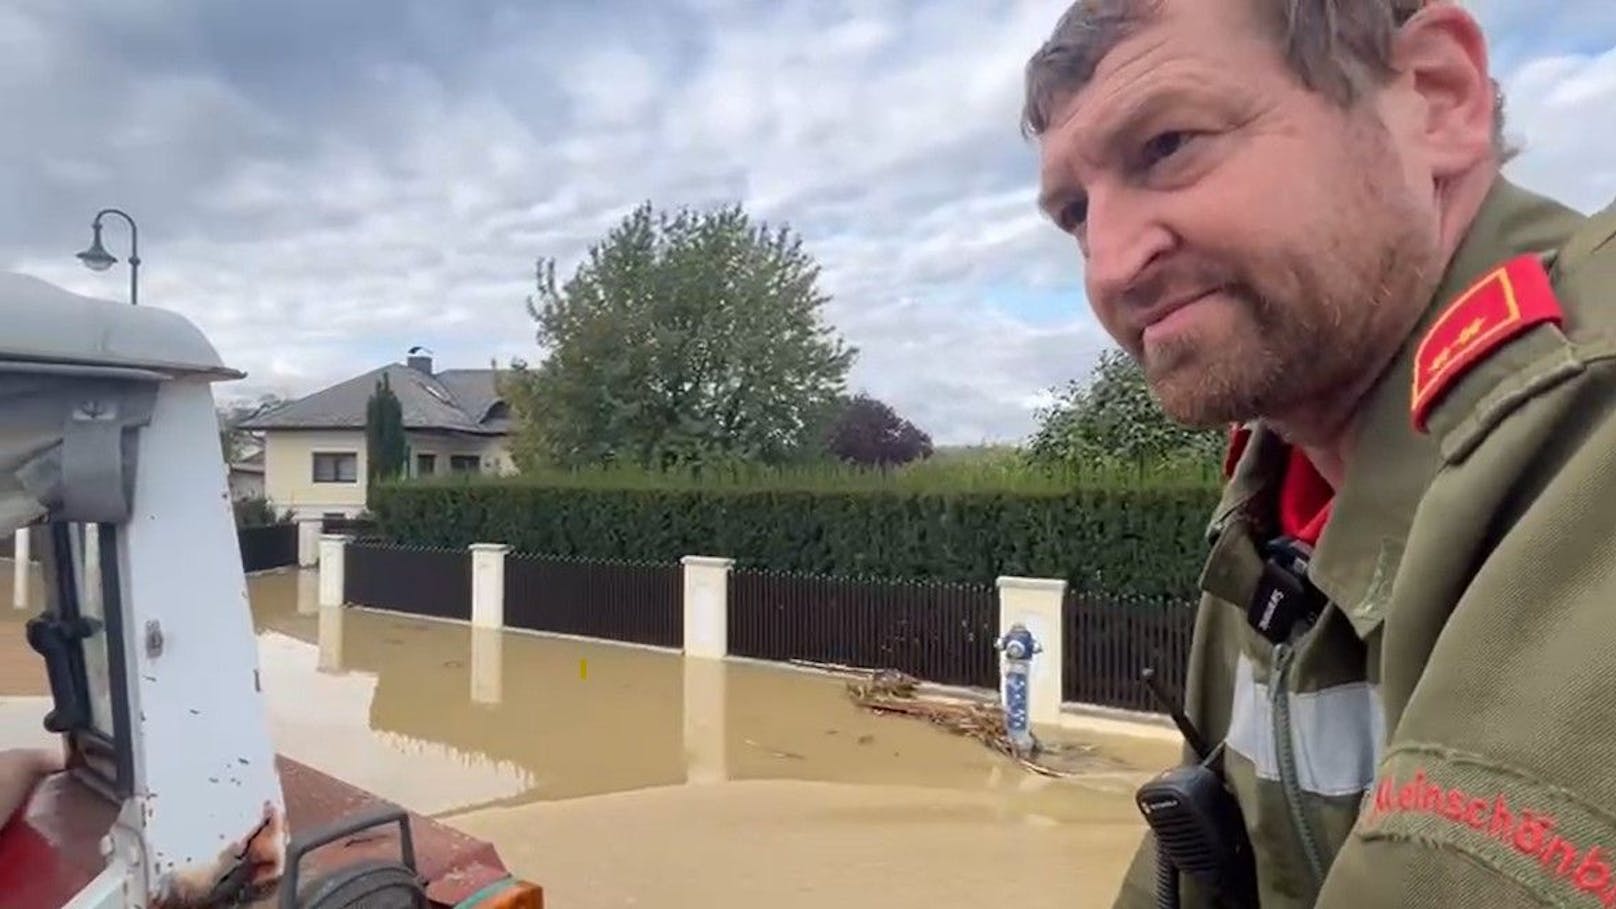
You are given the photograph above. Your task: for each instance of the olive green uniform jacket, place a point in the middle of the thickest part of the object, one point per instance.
(1445, 734)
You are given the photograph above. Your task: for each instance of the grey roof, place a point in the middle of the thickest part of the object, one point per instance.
(454, 400)
(49, 324)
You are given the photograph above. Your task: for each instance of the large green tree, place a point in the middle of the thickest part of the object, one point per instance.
(386, 447)
(1113, 420)
(683, 339)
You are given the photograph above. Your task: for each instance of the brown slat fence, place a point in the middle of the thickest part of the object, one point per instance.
(1110, 638)
(635, 602)
(414, 580)
(266, 547)
(939, 632)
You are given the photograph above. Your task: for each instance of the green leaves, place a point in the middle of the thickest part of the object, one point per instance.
(1114, 421)
(683, 339)
(386, 447)
(938, 523)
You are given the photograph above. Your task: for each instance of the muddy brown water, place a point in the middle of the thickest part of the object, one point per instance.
(621, 776)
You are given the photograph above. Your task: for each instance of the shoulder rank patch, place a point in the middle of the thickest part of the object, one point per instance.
(1506, 301)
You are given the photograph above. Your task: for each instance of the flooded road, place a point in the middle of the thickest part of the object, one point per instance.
(619, 776)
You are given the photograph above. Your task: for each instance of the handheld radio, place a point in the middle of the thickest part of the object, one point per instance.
(1197, 823)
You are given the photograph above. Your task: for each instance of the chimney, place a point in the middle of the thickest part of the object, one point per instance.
(420, 360)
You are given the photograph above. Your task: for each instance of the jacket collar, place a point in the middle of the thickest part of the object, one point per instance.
(1391, 464)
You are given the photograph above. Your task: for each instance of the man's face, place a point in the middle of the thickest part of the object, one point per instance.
(1251, 244)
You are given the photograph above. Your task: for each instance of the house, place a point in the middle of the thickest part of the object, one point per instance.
(247, 477)
(314, 447)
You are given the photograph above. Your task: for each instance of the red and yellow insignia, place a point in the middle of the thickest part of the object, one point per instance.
(1507, 301)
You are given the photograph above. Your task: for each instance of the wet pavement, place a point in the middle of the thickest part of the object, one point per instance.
(622, 776)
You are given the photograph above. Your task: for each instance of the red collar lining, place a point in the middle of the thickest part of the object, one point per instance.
(1305, 498)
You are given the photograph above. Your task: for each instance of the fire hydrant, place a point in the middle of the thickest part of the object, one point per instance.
(1018, 647)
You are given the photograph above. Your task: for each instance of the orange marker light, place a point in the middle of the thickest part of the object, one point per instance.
(511, 894)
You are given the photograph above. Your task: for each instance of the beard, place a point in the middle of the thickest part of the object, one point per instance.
(1303, 322)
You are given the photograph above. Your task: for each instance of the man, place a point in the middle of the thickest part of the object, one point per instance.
(1291, 214)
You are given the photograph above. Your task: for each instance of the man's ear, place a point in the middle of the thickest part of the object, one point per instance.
(1440, 56)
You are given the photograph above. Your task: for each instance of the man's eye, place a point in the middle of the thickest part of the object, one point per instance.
(1164, 146)
(1073, 214)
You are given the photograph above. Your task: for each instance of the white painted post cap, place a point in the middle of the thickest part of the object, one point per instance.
(707, 562)
(1045, 585)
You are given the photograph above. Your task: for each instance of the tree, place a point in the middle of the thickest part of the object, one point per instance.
(1115, 420)
(869, 432)
(233, 440)
(681, 340)
(386, 448)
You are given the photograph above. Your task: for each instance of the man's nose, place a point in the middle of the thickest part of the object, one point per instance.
(1122, 238)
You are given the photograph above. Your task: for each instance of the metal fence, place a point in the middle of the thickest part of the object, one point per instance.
(266, 547)
(940, 632)
(418, 581)
(641, 603)
(1111, 638)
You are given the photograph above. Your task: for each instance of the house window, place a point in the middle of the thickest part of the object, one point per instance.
(426, 465)
(336, 467)
(464, 463)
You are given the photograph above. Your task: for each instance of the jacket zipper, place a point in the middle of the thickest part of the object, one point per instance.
(1286, 752)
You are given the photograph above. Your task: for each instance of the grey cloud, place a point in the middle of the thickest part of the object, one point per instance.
(1561, 111)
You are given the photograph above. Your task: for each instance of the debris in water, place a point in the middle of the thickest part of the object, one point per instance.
(890, 691)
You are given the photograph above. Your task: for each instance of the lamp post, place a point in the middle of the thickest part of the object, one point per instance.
(96, 258)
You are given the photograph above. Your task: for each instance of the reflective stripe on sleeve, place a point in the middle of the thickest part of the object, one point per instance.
(1336, 733)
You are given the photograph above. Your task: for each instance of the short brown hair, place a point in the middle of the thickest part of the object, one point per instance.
(1335, 47)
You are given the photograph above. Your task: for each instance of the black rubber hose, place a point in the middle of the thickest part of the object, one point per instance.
(1166, 880)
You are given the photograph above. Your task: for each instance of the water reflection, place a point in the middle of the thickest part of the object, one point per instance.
(769, 773)
(453, 716)
(321, 716)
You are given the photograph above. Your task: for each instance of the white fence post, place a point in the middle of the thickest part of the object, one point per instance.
(488, 584)
(21, 572)
(1036, 603)
(487, 665)
(333, 548)
(706, 728)
(706, 597)
(308, 541)
(329, 630)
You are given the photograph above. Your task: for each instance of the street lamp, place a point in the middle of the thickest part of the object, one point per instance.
(96, 258)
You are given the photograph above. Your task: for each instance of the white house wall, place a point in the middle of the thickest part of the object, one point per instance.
(289, 465)
(289, 471)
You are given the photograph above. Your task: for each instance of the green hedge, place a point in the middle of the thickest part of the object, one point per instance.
(1145, 539)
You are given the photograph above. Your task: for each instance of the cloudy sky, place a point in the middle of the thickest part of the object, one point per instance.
(322, 185)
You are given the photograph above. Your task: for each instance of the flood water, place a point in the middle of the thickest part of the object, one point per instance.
(621, 776)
